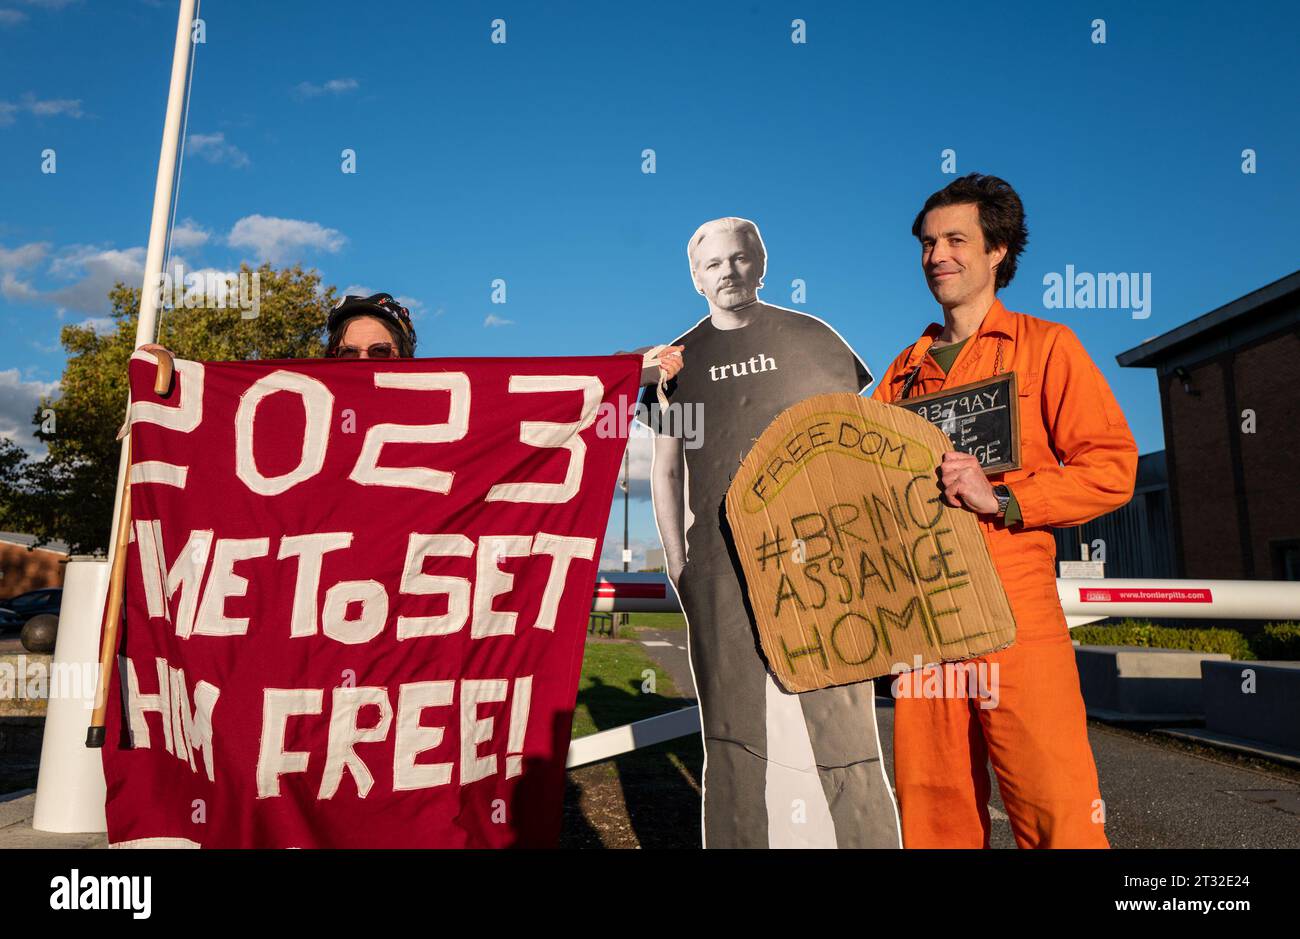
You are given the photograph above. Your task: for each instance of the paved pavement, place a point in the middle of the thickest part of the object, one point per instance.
(16, 809)
(1160, 793)
(668, 648)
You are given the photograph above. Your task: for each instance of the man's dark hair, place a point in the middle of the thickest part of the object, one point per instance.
(1002, 216)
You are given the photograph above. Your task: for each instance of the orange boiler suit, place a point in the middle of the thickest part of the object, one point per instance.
(1078, 461)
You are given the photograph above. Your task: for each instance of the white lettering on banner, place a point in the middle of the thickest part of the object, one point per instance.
(562, 550)
(186, 575)
(549, 434)
(148, 537)
(372, 597)
(138, 704)
(223, 582)
(345, 733)
(309, 550)
(183, 418)
(518, 725)
(202, 607)
(184, 730)
(418, 583)
(155, 471)
(368, 472)
(318, 407)
(412, 737)
(475, 730)
(180, 732)
(273, 761)
(491, 581)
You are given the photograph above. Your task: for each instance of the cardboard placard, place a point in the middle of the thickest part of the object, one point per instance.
(981, 418)
(853, 565)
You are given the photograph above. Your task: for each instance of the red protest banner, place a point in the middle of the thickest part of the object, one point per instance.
(356, 598)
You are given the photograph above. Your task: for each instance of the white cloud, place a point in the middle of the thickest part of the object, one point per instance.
(55, 106)
(215, 149)
(188, 234)
(89, 272)
(640, 448)
(18, 402)
(11, 288)
(203, 287)
(335, 86)
(611, 555)
(103, 325)
(16, 259)
(11, 17)
(493, 320)
(52, 107)
(415, 306)
(97, 271)
(280, 239)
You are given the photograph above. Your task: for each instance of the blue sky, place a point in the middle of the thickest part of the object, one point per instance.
(523, 161)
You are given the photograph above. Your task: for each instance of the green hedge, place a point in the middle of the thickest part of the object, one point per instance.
(1278, 641)
(1140, 633)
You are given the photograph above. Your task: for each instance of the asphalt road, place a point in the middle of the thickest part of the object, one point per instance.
(1159, 792)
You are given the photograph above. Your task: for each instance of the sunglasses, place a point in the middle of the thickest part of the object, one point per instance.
(379, 350)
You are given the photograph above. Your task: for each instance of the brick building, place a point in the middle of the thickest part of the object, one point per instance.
(1230, 398)
(23, 568)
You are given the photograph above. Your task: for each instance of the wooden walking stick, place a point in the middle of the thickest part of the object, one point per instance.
(117, 577)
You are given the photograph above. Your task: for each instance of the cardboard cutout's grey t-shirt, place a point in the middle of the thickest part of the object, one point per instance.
(739, 380)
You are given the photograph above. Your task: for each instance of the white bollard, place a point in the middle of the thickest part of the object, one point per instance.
(70, 789)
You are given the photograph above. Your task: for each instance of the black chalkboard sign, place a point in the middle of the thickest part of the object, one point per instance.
(982, 418)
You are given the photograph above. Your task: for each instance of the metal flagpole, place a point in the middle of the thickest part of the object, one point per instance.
(151, 292)
(623, 618)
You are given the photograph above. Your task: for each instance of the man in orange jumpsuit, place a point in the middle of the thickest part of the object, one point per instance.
(1077, 461)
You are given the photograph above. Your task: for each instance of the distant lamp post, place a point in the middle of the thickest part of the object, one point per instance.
(627, 554)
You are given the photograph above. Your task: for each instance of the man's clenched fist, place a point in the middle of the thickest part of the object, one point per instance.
(964, 485)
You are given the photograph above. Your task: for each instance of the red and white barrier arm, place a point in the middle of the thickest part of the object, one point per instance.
(1083, 599)
(1094, 598)
(634, 593)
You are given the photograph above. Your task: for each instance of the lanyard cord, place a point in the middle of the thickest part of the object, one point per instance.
(909, 380)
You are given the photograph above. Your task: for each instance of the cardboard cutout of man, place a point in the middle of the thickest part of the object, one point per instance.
(781, 769)
(1077, 461)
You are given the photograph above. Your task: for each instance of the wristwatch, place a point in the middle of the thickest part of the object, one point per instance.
(1004, 499)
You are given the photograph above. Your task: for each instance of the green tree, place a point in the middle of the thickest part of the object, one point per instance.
(68, 495)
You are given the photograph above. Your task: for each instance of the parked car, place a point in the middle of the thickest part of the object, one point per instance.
(16, 611)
